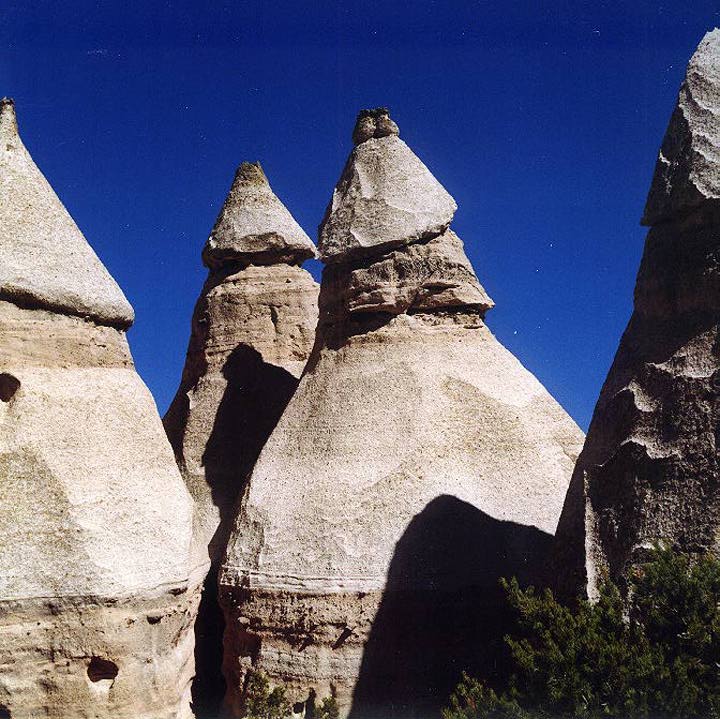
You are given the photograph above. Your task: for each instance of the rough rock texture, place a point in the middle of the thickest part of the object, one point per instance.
(254, 226)
(252, 332)
(417, 462)
(422, 276)
(385, 198)
(44, 259)
(687, 173)
(649, 470)
(96, 604)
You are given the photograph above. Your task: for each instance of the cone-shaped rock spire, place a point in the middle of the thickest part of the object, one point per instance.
(44, 259)
(96, 604)
(649, 470)
(416, 463)
(385, 198)
(252, 332)
(254, 227)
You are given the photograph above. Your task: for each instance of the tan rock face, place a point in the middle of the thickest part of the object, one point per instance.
(416, 463)
(96, 600)
(252, 332)
(649, 469)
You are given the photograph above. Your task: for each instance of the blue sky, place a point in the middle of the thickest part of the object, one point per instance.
(542, 119)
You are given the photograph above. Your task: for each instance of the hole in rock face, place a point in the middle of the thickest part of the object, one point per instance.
(9, 385)
(100, 669)
(5, 712)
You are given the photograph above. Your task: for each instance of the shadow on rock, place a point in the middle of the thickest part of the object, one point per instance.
(256, 395)
(442, 611)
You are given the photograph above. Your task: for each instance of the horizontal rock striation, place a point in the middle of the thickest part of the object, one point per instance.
(649, 471)
(97, 599)
(416, 463)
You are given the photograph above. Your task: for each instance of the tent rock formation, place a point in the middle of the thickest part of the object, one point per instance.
(416, 463)
(96, 604)
(649, 471)
(252, 331)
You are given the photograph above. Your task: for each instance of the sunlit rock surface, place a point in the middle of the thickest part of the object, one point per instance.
(417, 462)
(96, 599)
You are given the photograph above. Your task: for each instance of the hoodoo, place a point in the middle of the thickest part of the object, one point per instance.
(251, 335)
(96, 605)
(649, 471)
(416, 463)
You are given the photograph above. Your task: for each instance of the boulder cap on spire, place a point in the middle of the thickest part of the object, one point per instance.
(687, 172)
(45, 261)
(385, 198)
(254, 227)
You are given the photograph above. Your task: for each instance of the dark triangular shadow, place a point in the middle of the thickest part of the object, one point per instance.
(442, 610)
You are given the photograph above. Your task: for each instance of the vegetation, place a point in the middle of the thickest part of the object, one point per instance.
(262, 702)
(655, 657)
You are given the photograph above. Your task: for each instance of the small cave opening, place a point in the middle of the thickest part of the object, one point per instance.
(5, 712)
(101, 669)
(9, 385)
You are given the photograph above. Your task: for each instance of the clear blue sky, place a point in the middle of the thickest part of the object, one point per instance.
(542, 119)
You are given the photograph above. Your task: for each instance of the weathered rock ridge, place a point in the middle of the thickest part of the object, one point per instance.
(252, 331)
(649, 470)
(416, 463)
(96, 599)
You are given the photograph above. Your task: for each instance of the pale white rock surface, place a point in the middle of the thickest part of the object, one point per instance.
(44, 259)
(417, 462)
(687, 173)
(97, 593)
(386, 197)
(254, 227)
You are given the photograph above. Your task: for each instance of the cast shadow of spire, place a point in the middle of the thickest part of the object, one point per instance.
(254, 399)
(442, 610)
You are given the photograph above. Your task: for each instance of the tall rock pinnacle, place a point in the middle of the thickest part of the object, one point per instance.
(252, 331)
(649, 470)
(416, 463)
(96, 604)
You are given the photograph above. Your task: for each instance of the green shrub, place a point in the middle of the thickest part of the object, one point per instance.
(655, 657)
(262, 702)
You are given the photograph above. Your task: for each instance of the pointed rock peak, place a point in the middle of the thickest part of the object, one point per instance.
(44, 259)
(385, 197)
(8, 121)
(251, 173)
(254, 227)
(687, 172)
(374, 123)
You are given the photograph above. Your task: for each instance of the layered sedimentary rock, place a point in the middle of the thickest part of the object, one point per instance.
(252, 332)
(96, 607)
(417, 462)
(649, 470)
